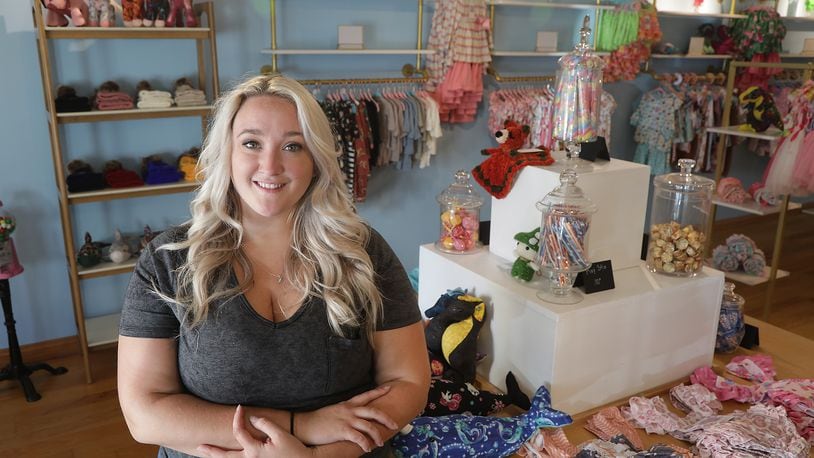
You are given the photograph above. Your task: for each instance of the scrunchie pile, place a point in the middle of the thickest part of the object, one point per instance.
(731, 190)
(739, 252)
(762, 195)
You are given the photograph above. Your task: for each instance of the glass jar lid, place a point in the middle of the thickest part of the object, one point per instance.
(460, 193)
(567, 198)
(684, 180)
(582, 56)
(730, 298)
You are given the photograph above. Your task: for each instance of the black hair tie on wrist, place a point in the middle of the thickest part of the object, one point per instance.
(291, 423)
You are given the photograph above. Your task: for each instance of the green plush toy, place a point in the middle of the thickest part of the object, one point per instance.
(528, 244)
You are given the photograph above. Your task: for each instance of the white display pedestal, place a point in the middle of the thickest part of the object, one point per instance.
(618, 188)
(650, 330)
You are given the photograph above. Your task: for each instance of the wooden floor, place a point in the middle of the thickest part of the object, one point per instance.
(76, 420)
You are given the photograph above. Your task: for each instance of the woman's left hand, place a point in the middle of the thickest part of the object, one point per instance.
(278, 441)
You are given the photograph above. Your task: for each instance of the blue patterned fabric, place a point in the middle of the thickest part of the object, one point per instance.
(474, 436)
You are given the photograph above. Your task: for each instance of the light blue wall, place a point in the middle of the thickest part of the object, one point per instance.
(401, 203)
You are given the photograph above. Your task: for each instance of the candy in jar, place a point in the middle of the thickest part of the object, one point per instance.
(459, 210)
(678, 218)
(731, 327)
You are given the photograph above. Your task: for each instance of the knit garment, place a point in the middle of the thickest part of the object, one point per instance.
(154, 99)
(113, 101)
(187, 96)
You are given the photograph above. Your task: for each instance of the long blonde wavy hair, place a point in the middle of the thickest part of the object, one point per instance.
(327, 259)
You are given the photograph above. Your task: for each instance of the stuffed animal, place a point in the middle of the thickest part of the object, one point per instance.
(179, 8)
(148, 236)
(452, 335)
(60, 10)
(456, 309)
(497, 173)
(119, 249)
(447, 397)
(476, 436)
(155, 13)
(761, 112)
(101, 13)
(89, 254)
(528, 245)
(132, 15)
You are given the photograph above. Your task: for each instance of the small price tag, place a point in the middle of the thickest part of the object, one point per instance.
(597, 149)
(751, 338)
(599, 277)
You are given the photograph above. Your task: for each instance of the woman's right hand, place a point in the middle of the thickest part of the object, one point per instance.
(353, 420)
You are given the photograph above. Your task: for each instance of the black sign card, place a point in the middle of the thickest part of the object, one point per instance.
(752, 337)
(597, 149)
(599, 277)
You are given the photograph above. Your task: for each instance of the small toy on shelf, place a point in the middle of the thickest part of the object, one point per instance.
(179, 9)
(132, 15)
(89, 254)
(119, 249)
(148, 236)
(451, 336)
(102, 13)
(497, 173)
(155, 13)
(60, 10)
(528, 244)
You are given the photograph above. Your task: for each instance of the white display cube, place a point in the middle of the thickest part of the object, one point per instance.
(618, 188)
(650, 330)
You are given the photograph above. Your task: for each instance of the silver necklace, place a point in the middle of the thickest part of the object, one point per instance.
(279, 277)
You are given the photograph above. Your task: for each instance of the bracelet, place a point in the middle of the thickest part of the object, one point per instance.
(291, 423)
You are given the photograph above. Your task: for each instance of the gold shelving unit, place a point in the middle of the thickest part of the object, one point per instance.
(102, 330)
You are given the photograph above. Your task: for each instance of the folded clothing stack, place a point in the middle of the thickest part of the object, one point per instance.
(82, 178)
(116, 176)
(187, 96)
(68, 102)
(109, 97)
(156, 171)
(149, 98)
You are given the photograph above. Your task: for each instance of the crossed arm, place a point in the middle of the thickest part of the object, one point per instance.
(158, 411)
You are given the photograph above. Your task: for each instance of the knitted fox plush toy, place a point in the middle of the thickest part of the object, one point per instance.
(497, 173)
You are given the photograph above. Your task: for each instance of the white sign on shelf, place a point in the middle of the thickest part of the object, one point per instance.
(546, 42)
(351, 37)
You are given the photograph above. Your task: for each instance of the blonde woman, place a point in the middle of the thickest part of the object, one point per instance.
(275, 297)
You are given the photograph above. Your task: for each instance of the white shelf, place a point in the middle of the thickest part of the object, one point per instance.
(700, 15)
(411, 52)
(797, 18)
(103, 329)
(104, 269)
(570, 6)
(134, 191)
(135, 113)
(691, 56)
(752, 280)
(772, 133)
(753, 207)
(538, 54)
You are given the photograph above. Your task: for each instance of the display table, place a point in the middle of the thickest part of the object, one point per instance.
(792, 359)
(649, 330)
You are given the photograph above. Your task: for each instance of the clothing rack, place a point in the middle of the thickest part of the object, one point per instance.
(519, 79)
(353, 81)
(680, 77)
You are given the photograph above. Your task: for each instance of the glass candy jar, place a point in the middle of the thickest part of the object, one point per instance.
(678, 218)
(731, 327)
(564, 230)
(460, 216)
